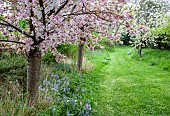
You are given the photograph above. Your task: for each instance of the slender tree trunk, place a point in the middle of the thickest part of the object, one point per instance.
(140, 48)
(33, 75)
(80, 55)
(0, 52)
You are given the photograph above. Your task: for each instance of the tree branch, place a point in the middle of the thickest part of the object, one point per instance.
(43, 12)
(12, 41)
(89, 12)
(14, 27)
(59, 9)
(4, 24)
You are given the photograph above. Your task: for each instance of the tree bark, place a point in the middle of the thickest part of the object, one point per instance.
(80, 55)
(33, 76)
(0, 52)
(140, 49)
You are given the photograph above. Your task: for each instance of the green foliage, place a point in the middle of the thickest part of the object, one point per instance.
(13, 65)
(48, 57)
(126, 38)
(68, 50)
(22, 23)
(2, 37)
(106, 43)
(160, 37)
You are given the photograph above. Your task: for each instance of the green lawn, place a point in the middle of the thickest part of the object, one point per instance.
(132, 86)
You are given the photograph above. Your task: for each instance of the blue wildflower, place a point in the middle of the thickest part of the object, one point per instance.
(56, 76)
(68, 113)
(56, 86)
(87, 106)
(59, 82)
(64, 90)
(45, 82)
(49, 98)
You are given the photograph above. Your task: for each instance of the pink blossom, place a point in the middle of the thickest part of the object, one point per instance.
(54, 28)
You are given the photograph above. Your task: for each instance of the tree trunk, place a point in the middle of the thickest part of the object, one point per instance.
(0, 52)
(33, 75)
(80, 55)
(140, 49)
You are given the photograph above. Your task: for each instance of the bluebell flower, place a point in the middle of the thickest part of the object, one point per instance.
(81, 76)
(59, 98)
(88, 101)
(49, 98)
(64, 97)
(45, 82)
(65, 79)
(68, 114)
(40, 88)
(56, 86)
(64, 90)
(87, 106)
(67, 83)
(56, 76)
(59, 82)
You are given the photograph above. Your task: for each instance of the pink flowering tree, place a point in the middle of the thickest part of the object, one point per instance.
(49, 23)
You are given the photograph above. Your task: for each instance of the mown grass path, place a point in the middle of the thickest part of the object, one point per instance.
(132, 88)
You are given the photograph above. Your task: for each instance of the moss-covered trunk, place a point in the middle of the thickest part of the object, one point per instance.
(33, 76)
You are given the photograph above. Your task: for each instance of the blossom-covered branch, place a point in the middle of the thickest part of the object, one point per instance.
(18, 42)
(6, 23)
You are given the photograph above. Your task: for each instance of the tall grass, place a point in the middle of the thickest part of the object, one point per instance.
(154, 57)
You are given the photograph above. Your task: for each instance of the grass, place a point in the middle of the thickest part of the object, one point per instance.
(133, 87)
(120, 84)
(153, 57)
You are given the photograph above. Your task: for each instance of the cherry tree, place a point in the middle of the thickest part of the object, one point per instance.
(49, 23)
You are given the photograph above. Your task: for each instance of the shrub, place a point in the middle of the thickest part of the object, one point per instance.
(106, 43)
(48, 57)
(125, 38)
(160, 37)
(68, 50)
